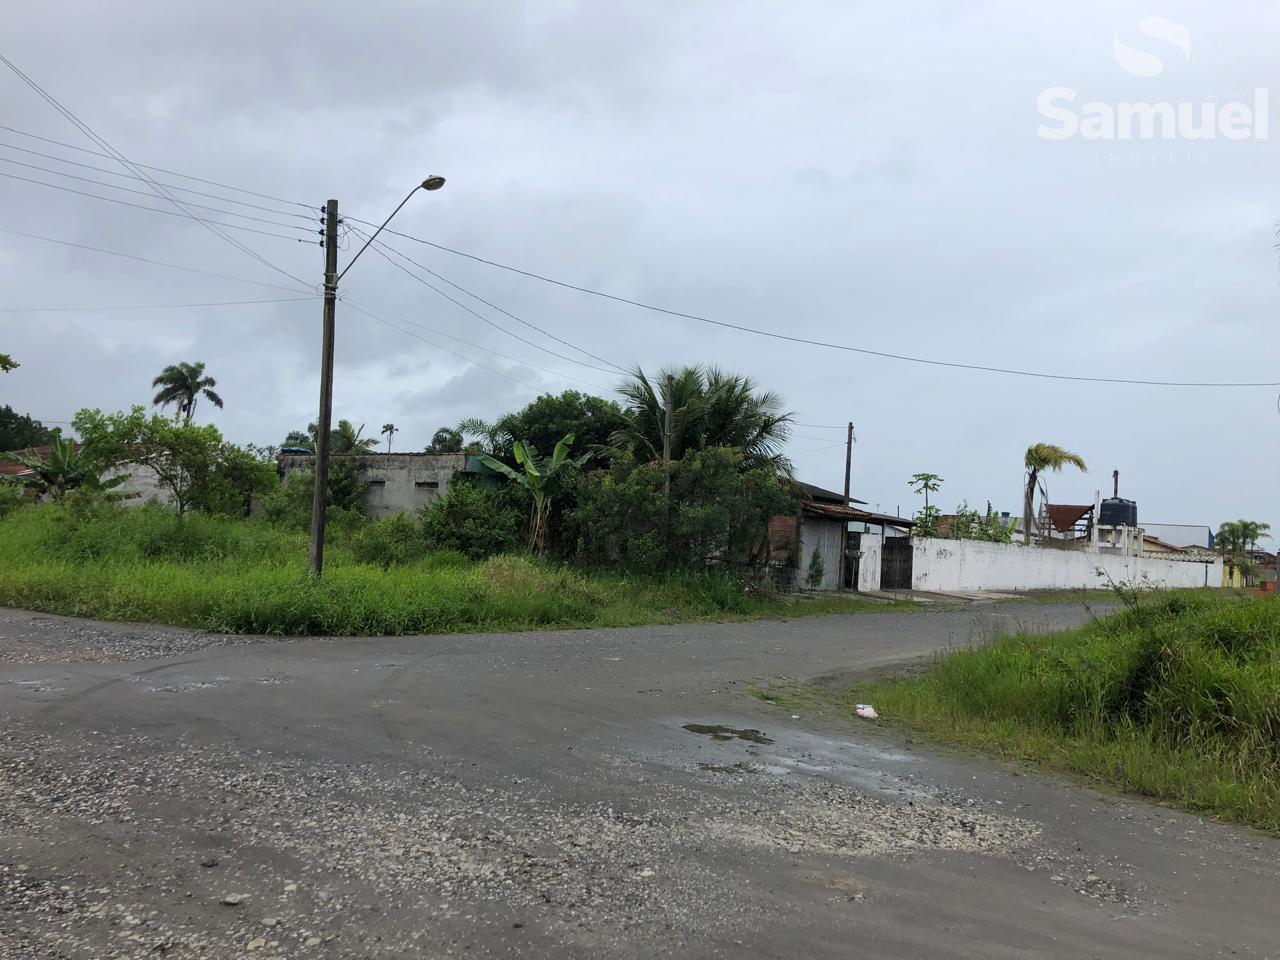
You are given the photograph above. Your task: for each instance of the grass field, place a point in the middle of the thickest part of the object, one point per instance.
(247, 576)
(1175, 697)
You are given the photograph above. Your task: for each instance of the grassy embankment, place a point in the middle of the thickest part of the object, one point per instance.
(247, 576)
(1175, 697)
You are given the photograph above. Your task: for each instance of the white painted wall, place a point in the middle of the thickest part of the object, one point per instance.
(960, 565)
(869, 565)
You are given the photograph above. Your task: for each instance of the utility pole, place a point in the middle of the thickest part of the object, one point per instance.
(844, 527)
(666, 435)
(319, 497)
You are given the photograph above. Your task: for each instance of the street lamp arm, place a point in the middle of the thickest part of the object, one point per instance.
(431, 183)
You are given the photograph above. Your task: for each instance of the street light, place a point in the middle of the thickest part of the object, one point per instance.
(331, 278)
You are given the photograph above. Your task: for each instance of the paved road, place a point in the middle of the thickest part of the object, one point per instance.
(164, 793)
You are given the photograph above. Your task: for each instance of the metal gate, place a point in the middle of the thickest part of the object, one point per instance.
(895, 563)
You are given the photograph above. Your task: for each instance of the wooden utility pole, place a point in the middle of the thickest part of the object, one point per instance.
(666, 435)
(844, 527)
(320, 495)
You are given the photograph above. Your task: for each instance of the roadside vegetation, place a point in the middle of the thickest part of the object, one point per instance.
(250, 576)
(584, 518)
(1175, 697)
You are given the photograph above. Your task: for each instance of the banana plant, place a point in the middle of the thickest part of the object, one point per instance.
(543, 477)
(64, 469)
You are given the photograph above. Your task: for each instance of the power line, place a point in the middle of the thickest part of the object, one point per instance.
(145, 166)
(410, 333)
(377, 247)
(158, 263)
(130, 176)
(145, 193)
(820, 426)
(186, 215)
(818, 449)
(826, 344)
(504, 312)
(153, 306)
(122, 159)
(496, 353)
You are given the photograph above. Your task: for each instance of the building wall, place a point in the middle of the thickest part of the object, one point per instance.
(394, 482)
(976, 565)
(869, 565)
(822, 534)
(141, 487)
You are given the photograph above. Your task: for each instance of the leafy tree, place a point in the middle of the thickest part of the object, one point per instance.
(19, 431)
(710, 408)
(816, 569)
(304, 439)
(491, 438)
(543, 477)
(290, 504)
(927, 520)
(182, 384)
(716, 512)
(67, 467)
(7, 363)
(592, 420)
(182, 455)
(471, 519)
(239, 475)
(389, 430)
(445, 440)
(1039, 458)
(1235, 539)
(348, 438)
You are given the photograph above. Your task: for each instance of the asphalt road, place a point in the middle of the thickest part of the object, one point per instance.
(164, 793)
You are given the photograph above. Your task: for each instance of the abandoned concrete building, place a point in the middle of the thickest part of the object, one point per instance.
(394, 482)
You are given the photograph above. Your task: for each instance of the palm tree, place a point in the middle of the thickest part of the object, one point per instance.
(709, 408)
(491, 436)
(543, 477)
(347, 438)
(1041, 457)
(445, 440)
(182, 384)
(389, 430)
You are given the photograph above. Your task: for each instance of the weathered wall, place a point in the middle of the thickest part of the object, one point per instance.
(141, 487)
(976, 565)
(394, 482)
(822, 534)
(869, 565)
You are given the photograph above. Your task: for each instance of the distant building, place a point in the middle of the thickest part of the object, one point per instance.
(141, 487)
(1181, 534)
(394, 482)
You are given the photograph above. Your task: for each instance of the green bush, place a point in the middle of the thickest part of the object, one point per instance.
(12, 496)
(237, 575)
(716, 513)
(1177, 696)
(474, 521)
(289, 504)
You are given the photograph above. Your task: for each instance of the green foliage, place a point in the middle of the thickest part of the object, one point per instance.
(445, 440)
(183, 384)
(1176, 696)
(19, 431)
(182, 455)
(927, 520)
(1235, 539)
(471, 520)
(250, 576)
(389, 430)
(7, 363)
(11, 497)
(1039, 458)
(67, 467)
(717, 512)
(710, 408)
(389, 541)
(969, 524)
(591, 420)
(816, 570)
(289, 503)
(238, 476)
(544, 478)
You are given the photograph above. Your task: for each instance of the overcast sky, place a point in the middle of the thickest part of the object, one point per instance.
(865, 174)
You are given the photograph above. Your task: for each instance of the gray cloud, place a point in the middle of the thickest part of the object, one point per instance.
(857, 173)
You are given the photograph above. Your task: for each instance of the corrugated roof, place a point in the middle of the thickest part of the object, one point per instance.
(834, 511)
(821, 493)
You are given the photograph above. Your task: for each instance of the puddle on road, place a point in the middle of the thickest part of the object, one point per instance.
(719, 732)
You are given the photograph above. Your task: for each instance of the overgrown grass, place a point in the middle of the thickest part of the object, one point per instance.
(247, 576)
(1175, 697)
